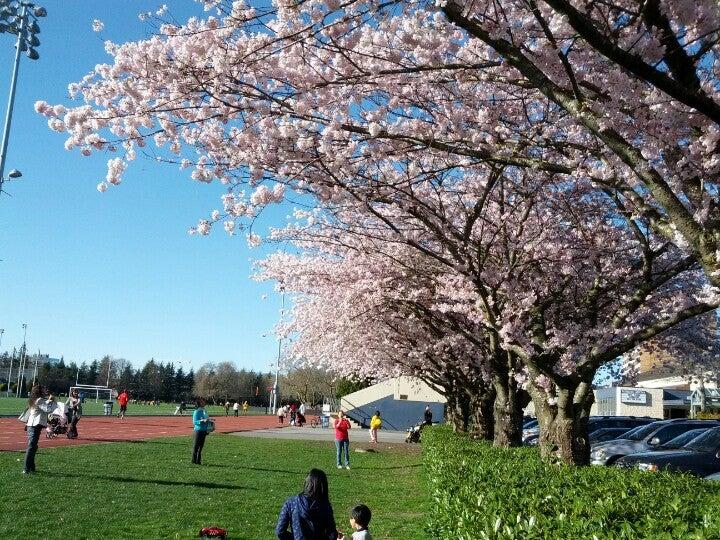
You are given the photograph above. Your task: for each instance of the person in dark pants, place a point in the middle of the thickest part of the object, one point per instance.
(428, 416)
(309, 514)
(200, 423)
(75, 411)
(37, 419)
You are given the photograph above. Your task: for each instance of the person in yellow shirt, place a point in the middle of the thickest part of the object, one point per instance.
(245, 407)
(375, 424)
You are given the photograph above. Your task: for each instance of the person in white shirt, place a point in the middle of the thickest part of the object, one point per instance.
(236, 408)
(302, 409)
(37, 419)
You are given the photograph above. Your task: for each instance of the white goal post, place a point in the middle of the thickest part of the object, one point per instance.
(91, 391)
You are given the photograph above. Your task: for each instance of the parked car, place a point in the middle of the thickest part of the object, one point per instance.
(700, 457)
(531, 435)
(607, 434)
(715, 476)
(673, 444)
(644, 439)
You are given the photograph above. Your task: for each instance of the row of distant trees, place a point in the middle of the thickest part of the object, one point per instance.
(165, 382)
(153, 381)
(224, 382)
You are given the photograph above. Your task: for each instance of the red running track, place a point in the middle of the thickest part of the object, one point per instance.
(103, 429)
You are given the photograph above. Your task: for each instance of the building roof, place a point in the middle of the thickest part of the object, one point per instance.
(671, 394)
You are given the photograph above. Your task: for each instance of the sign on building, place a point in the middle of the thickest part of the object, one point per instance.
(638, 397)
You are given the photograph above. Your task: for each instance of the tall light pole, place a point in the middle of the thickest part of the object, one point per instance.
(21, 370)
(277, 364)
(7, 391)
(107, 383)
(20, 18)
(35, 370)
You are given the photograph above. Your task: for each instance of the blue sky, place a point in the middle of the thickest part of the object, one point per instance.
(115, 273)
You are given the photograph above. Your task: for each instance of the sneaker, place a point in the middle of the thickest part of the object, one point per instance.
(339, 466)
(347, 467)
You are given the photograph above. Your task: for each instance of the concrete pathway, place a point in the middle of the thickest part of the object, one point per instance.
(323, 434)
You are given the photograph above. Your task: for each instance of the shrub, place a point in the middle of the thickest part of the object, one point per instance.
(708, 415)
(480, 492)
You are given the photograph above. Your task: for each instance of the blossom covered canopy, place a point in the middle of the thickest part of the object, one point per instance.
(321, 95)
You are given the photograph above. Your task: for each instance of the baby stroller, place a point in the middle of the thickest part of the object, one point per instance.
(57, 422)
(413, 435)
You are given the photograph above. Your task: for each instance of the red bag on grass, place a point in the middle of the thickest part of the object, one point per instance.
(213, 532)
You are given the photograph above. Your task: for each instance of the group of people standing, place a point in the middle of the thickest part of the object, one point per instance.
(236, 408)
(294, 412)
(41, 404)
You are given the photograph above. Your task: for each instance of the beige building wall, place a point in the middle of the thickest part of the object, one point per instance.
(614, 402)
(413, 389)
(409, 388)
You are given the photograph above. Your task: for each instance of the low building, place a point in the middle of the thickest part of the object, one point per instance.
(400, 400)
(633, 401)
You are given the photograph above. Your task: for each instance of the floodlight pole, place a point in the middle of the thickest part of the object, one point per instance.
(35, 371)
(11, 98)
(107, 383)
(7, 390)
(21, 371)
(277, 365)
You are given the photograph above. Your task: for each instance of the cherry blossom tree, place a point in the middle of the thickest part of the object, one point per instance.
(561, 283)
(259, 87)
(407, 116)
(366, 315)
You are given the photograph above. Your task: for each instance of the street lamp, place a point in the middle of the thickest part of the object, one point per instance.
(21, 371)
(7, 392)
(277, 365)
(18, 17)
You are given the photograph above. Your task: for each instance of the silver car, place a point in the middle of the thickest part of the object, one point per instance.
(643, 439)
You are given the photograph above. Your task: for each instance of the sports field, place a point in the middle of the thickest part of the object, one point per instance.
(149, 489)
(14, 406)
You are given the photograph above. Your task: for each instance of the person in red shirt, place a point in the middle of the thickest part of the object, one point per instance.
(342, 439)
(122, 401)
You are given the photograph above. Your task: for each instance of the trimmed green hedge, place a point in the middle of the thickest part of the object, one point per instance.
(480, 492)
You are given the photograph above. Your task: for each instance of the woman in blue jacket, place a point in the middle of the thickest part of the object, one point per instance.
(200, 423)
(309, 513)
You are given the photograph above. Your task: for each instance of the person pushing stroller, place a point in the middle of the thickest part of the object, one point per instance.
(74, 412)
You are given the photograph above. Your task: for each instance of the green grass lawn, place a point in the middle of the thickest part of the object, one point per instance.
(14, 406)
(150, 489)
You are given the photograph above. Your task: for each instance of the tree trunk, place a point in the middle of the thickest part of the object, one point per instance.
(457, 411)
(510, 400)
(481, 414)
(563, 425)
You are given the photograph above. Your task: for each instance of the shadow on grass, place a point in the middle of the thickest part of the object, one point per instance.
(208, 485)
(233, 466)
(394, 467)
(137, 441)
(304, 473)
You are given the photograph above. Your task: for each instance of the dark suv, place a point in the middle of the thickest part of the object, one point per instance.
(643, 439)
(700, 457)
(530, 436)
